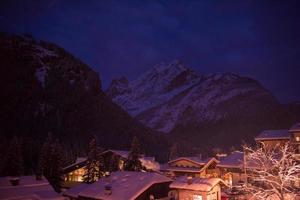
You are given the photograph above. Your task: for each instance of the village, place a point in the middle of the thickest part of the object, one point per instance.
(223, 177)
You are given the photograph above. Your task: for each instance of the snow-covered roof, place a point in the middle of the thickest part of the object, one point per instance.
(196, 160)
(273, 135)
(295, 127)
(183, 169)
(80, 162)
(196, 183)
(235, 160)
(148, 162)
(124, 186)
(28, 188)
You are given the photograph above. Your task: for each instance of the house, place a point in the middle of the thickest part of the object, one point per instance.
(272, 138)
(191, 166)
(113, 161)
(232, 168)
(196, 188)
(75, 171)
(295, 137)
(123, 185)
(148, 163)
(28, 188)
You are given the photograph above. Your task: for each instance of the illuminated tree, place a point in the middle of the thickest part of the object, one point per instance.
(273, 173)
(94, 165)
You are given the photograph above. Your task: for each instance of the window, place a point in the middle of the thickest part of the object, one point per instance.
(197, 197)
(297, 139)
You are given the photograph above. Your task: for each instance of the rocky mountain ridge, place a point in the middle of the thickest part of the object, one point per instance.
(174, 99)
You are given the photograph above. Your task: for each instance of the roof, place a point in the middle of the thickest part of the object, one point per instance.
(74, 191)
(148, 162)
(273, 135)
(196, 160)
(28, 188)
(295, 127)
(234, 160)
(80, 162)
(183, 169)
(125, 186)
(197, 183)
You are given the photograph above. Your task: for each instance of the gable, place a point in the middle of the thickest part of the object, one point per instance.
(184, 163)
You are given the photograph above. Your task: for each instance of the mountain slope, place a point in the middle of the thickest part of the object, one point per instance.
(201, 108)
(45, 89)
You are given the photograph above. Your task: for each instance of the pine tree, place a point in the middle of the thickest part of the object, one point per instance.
(14, 159)
(50, 164)
(94, 162)
(133, 162)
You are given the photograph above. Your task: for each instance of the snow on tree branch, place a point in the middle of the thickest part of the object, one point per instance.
(273, 172)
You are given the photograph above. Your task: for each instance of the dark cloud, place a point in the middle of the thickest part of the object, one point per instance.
(254, 38)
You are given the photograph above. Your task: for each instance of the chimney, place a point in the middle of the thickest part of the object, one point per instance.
(200, 156)
(189, 180)
(107, 190)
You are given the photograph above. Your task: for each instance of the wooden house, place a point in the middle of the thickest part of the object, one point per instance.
(192, 166)
(113, 161)
(295, 138)
(271, 138)
(196, 188)
(75, 171)
(232, 169)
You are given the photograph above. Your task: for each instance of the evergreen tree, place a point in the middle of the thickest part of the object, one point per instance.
(94, 165)
(133, 162)
(14, 159)
(50, 164)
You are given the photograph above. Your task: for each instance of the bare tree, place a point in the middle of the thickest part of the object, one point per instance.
(273, 172)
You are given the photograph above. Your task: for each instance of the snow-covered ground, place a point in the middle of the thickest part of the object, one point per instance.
(28, 188)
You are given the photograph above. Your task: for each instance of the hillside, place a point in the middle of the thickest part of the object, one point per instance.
(46, 89)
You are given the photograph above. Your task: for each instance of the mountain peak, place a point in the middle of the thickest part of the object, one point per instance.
(118, 87)
(170, 94)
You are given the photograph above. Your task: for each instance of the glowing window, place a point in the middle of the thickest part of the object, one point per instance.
(297, 139)
(197, 197)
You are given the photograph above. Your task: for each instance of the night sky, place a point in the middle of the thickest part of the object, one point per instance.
(260, 39)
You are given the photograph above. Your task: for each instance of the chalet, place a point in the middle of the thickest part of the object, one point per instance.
(295, 137)
(28, 187)
(196, 188)
(273, 137)
(232, 168)
(123, 185)
(192, 166)
(75, 171)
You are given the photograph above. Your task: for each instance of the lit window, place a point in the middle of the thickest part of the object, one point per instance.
(298, 139)
(197, 197)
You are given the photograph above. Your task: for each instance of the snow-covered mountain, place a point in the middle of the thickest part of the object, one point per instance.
(153, 88)
(172, 94)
